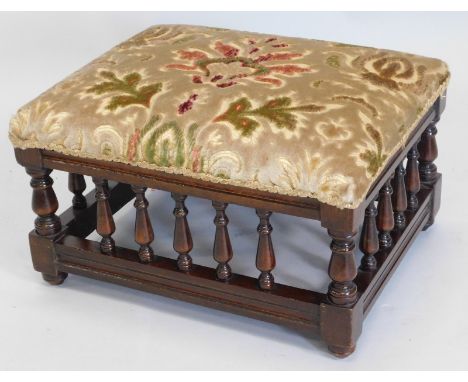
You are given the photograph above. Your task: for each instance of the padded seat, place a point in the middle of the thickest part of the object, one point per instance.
(287, 115)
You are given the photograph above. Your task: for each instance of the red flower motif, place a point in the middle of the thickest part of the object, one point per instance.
(216, 78)
(273, 81)
(187, 105)
(226, 50)
(226, 84)
(259, 67)
(191, 54)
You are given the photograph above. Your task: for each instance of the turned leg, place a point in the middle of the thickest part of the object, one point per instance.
(105, 225)
(342, 291)
(144, 234)
(427, 169)
(45, 204)
(385, 220)
(342, 269)
(265, 260)
(222, 249)
(182, 237)
(428, 153)
(369, 243)
(76, 185)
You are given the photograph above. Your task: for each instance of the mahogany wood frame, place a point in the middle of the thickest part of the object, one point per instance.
(59, 245)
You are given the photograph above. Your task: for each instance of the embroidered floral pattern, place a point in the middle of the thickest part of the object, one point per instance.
(128, 85)
(291, 116)
(392, 72)
(259, 65)
(278, 110)
(165, 152)
(374, 158)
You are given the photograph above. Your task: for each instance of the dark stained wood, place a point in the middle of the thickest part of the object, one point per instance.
(412, 180)
(77, 185)
(369, 242)
(342, 269)
(340, 327)
(399, 200)
(265, 260)
(182, 237)
(285, 305)
(125, 173)
(428, 153)
(337, 316)
(436, 188)
(371, 285)
(44, 202)
(341, 219)
(222, 249)
(385, 220)
(83, 222)
(144, 234)
(105, 225)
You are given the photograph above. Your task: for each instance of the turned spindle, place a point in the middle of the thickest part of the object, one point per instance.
(76, 185)
(144, 234)
(105, 225)
(412, 179)
(369, 243)
(222, 249)
(265, 260)
(182, 237)
(44, 202)
(399, 199)
(428, 152)
(342, 269)
(385, 220)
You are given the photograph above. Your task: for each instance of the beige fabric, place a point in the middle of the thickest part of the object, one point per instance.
(287, 115)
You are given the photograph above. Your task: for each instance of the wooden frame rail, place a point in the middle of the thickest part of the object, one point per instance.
(403, 201)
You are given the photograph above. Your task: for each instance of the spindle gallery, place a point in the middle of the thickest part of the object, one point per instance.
(328, 131)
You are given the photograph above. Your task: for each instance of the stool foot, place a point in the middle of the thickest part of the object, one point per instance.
(341, 351)
(55, 279)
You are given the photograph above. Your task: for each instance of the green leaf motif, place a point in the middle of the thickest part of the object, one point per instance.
(237, 113)
(374, 158)
(278, 111)
(173, 150)
(333, 61)
(133, 95)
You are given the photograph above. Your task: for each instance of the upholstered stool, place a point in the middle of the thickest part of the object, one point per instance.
(339, 133)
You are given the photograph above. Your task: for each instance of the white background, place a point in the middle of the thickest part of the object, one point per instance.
(419, 322)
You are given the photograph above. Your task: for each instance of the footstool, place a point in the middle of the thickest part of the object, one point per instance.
(339, 133)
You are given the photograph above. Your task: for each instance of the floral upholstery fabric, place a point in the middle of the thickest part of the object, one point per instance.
(286, 115)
